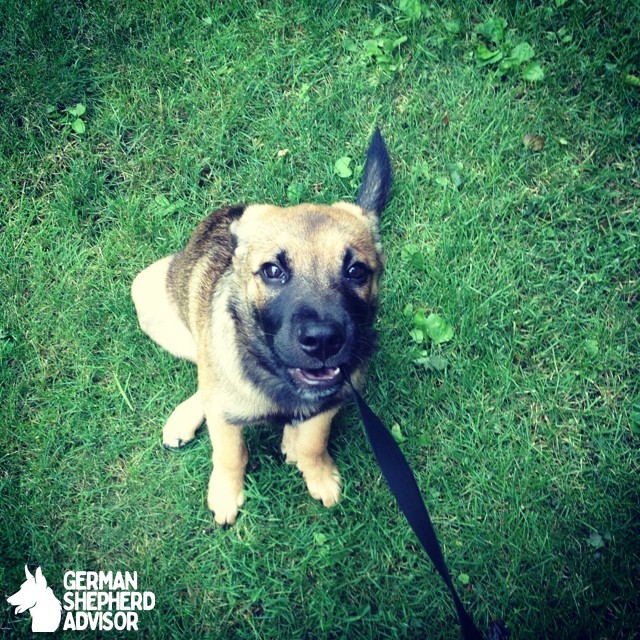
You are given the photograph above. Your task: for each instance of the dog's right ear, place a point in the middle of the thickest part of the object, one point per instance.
(376, 178)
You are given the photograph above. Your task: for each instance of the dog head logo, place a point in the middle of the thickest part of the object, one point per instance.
(38, 598)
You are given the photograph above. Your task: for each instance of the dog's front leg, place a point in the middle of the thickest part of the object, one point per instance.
(226, 485)
(305, 445)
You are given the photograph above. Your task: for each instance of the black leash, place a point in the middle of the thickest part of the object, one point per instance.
(404, 487)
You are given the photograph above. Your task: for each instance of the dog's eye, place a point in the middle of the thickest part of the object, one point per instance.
(272, 271)
(357, 272)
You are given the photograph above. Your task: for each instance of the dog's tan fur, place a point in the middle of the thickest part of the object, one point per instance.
(204, 304)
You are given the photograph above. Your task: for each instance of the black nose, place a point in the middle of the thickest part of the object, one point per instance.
(321, 339)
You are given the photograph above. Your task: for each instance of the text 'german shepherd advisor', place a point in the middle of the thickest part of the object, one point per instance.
(273, 305)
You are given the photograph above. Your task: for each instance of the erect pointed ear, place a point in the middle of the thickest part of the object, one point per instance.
(376, 178)
(26, 573)
(41, 581)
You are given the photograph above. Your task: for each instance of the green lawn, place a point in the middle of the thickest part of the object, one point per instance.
(514, 218)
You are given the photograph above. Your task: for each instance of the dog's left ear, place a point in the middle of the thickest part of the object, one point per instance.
(376, 178)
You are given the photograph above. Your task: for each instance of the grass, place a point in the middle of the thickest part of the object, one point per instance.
(525, 446)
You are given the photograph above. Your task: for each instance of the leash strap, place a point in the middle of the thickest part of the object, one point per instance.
(404, 487)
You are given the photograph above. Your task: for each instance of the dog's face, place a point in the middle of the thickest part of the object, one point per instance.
(309, 279)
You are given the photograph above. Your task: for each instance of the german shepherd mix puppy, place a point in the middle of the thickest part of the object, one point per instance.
(274, 305)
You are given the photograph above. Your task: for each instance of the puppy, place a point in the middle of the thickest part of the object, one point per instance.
(274, 305)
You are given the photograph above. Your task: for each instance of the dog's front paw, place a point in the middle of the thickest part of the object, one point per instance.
(183, 423)
(323, 480)
(225, 496)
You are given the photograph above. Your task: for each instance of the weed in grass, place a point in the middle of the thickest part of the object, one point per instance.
(506, 54)
(70, 118)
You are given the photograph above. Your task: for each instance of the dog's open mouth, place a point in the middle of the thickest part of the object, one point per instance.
(325, 377)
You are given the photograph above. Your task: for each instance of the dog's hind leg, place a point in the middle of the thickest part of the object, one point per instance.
(183, 423)
(160, 320)
(157, 313)
(305, 445)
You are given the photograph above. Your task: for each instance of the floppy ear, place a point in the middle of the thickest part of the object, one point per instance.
(376, 178)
